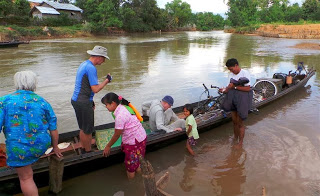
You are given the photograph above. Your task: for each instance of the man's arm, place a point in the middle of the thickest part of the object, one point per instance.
(98, 87)
(230, 86)
(159, 122)
(145, 107)
(174, 116)
(244, 88)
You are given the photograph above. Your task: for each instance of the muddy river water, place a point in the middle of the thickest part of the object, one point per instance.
(282, 143)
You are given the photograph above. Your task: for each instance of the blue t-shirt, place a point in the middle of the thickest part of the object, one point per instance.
(86, 77)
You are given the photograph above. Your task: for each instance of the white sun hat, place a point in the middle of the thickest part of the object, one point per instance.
(98, 51)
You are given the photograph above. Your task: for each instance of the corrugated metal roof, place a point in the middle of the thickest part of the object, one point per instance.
(47, 10)
(63, 6)
(36, 1)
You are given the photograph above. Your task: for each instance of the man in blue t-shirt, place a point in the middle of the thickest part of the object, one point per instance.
(86, 86)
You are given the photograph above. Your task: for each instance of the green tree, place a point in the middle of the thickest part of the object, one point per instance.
(22, 8)
(179, 12)
(242, 12)
(107, 15)
(142, 15)
(293, 13)
(6, 7)
(272, 11)
(208, 21)
(311, 10)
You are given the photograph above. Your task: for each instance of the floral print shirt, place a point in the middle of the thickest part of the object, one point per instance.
(131, 126)
(25, 118)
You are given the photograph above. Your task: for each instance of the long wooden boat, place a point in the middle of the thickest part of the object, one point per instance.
(12, 44)
(73, 156)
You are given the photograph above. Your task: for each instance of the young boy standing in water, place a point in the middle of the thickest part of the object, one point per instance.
(191, 128)
(238, 98)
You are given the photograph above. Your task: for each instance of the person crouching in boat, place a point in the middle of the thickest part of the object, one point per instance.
(191, 128)
(238, 98)
(134, 136)
(161, 116)
(25, 118)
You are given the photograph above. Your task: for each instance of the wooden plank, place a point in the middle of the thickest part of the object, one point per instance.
(148, 177)
(56, 168)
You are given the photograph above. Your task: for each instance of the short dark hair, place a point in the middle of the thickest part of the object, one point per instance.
(232, 62)
(189, 107)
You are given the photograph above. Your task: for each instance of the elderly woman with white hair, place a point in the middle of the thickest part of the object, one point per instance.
(25, 119)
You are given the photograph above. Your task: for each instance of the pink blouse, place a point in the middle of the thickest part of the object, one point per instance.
(131, 126)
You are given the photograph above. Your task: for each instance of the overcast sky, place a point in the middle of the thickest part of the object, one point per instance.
(215, 6)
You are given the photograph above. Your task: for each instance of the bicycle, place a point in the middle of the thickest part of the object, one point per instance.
(210, 104)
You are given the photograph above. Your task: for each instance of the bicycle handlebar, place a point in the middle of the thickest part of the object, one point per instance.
(205, 87)
(214, 87)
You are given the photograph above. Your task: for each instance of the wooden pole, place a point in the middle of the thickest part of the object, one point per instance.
(56, 168)
(151, 187)
(149, 180)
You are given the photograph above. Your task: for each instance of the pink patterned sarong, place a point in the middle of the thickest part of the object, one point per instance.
(133, 153)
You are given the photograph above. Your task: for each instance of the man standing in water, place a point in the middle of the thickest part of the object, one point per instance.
(238, 98)
(86, 86)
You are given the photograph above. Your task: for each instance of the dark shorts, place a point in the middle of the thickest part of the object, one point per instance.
(85, 115)
(192, 141)
(238, 101)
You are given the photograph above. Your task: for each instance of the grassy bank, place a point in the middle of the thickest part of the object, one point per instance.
(14, 32)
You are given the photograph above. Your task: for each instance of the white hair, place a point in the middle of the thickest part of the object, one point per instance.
(25, 80)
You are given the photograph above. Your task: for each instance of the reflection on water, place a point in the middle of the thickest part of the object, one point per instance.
(282, 144)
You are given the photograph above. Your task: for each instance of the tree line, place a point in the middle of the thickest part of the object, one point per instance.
(249, 12)
(145, 15)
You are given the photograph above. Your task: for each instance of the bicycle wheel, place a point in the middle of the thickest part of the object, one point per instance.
(266, 88)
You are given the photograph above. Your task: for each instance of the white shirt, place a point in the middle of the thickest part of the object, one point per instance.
(242, 73)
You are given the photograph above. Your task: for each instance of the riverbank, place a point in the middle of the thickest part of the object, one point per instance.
(306, 31)
(298, 31)
(303, 31)
(13, 32)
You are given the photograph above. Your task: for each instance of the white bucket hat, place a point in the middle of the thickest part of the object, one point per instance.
(98, 51)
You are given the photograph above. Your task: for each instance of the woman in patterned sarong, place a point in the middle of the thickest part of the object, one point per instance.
(133, 134)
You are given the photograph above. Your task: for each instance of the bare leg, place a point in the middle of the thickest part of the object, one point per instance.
(130, 175)
(242, 130)
(85, 140)
(189, 149)
(27, 184)
(236, 131)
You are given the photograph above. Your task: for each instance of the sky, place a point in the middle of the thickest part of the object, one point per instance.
(214, 6)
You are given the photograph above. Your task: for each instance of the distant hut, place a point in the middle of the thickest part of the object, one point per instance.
(72, 11)
(44, 12)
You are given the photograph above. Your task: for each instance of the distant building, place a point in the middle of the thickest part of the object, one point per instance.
(44, 12)
(72, 11)
(54, 9)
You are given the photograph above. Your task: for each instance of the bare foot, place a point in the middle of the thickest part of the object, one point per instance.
(238, 146)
